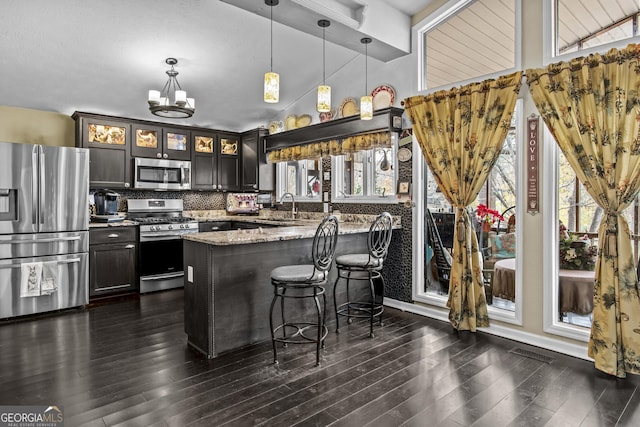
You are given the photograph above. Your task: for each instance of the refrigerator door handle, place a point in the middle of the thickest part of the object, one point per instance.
(64, 261)
(41, 186)
(34, 184)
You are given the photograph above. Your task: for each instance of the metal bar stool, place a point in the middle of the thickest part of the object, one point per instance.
(305, 281)
(365, 267)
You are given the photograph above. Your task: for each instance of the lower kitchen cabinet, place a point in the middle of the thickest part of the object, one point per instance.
(112, 261)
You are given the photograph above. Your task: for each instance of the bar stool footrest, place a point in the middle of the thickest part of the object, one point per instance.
(360, 309)
(297, 335)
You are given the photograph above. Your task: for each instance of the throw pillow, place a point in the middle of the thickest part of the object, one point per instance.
(504, 246)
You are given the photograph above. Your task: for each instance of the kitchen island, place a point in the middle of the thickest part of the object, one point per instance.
(227, 286)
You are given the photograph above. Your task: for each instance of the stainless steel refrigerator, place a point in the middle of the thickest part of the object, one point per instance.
(44, 228)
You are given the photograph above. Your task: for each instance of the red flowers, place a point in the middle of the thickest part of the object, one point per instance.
(488, 215)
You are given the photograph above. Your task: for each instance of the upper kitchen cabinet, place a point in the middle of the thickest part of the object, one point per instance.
(203, 160)
(215, 160)
(229, 162)
(160, 142)
(108, 141)
(257, 174)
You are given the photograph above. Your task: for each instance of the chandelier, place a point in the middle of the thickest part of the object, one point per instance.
(160, 101)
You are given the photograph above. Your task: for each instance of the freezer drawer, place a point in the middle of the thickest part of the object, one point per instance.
(41, 284)
(42, 244)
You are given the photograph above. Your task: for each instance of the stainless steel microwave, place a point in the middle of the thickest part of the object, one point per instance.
(162, 174)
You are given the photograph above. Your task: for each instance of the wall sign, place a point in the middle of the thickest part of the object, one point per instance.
(533, 200)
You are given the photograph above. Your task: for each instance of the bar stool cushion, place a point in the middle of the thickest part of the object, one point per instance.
(298, 274)
(359, 260)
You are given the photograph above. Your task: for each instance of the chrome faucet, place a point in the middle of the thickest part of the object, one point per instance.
(293, 204)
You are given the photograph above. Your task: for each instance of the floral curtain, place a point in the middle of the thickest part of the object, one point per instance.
(461, 132)
(591, 105)
(334, 147)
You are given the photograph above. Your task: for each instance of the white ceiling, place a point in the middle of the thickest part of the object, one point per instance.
(103, 56)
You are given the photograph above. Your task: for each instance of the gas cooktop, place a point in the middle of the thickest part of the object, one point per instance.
(162, 219)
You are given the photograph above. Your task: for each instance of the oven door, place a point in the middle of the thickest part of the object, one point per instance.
(160, 174)
(161, 264)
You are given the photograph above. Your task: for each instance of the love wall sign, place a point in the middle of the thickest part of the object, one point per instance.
(533, 201)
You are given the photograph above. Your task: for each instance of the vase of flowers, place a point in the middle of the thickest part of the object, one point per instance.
(486, 217)
(577, 253)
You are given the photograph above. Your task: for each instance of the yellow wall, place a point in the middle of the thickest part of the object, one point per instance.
(36, 127)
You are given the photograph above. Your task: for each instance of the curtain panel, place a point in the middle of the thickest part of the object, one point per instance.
(461, 132)
(591, 105)
(333, 147)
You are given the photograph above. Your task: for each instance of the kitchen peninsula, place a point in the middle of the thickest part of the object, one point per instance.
(227, 289)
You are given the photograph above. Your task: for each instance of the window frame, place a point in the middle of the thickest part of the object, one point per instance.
(337, 178)
(418, 239)
(550, 267)
(549, 30)
(282, 179)
(440, 15)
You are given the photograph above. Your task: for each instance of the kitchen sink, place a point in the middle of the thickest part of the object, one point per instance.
(231, 225)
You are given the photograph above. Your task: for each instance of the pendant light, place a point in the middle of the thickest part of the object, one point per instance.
(324, 91)
(366, 101)
(271, 79)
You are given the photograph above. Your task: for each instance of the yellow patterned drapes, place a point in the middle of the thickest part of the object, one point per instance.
(461, 132)
(591, 105)
(333, 147)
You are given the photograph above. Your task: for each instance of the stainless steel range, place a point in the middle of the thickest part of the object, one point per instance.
(162, 226)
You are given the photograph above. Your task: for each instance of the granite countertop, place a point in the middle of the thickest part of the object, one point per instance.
(305, 229)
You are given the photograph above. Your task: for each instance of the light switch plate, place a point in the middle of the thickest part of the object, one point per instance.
(190, 274)
(327, 176)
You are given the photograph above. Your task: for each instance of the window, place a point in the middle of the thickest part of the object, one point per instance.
(366, 174)
(497, 241)
(468, 39)
(579, 28)
(579, 218)
(300, 178)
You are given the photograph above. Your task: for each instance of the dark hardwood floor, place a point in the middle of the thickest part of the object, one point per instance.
(127, 363)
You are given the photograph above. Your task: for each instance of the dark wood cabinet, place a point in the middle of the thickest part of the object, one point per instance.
(203, 160)
(160, 142)
(257, 174)
(175, 143)
(108, 142)
(146, 141)
(216, 156)
(215, 161)
(229, 162)
(112, 261)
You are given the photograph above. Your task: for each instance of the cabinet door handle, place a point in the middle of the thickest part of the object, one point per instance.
(165, 156)
(113, 236)
(130, 246)
(159, 155)
(126, 185)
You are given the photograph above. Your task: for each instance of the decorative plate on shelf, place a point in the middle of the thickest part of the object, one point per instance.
(329, 115)
(303, 120)
(290, 122)
(349, 107)
(383, 97)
